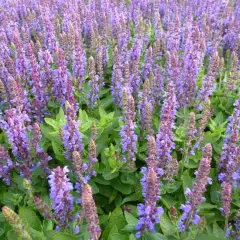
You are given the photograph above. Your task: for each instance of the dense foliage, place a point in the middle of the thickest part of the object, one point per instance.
(120, 119)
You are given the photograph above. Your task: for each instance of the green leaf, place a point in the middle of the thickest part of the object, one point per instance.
(210, 137)
(172, 187)
(47, 225)
(219, 118)
(94, 187)
(215, 192)
(60, 117)
(53, 123)
(53, 235)
(131, 198)
(102, 181)
(58, 150)
(187, 181)
(36, 234)
(109, 176)
(82, 116)
(202, 236)
(1, 231)
(50, 133)
(217, 231)
(129, 178)
(114, 235)
(29, 217)
(130, 218)
(132, 237)
(129, 228)
(102, 112)
(112, 162)
(121, 187)
(113, 196)
(106, 191)
(166, 225)
(106, 101)
(116, 218)
(168, 201)
(206, 206)
(11, 235)
(154, 236)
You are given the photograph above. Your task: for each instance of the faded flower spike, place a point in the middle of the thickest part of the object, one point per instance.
(15, 221)
(90, 212)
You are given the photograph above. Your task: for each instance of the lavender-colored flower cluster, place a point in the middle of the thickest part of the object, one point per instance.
(190, 211)
(51, 52)
(229, 159)
(15, 125)
(127, 133)
(148, 212)
(165, 139)
(72, 138)
(62, 200)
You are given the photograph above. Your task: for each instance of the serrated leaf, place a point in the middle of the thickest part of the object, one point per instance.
(112, 162)
(49, 133)
(114, 235)
(109, 176)
(217, 231)
(210, 137)
(94, 187)
(30, 217)
(57, 148)
(206, 206)
(132, 197)
(1, 231)
(130, 218)
(121, 187)
(166, 225)
(84, 127)
(132, 237)
(202, 236)
(53, 123)
(60, 117)
(47, 225)
(215, 192)
(102, 181)
(154, 236)
(187, 181)
(106, 191)
(116, 218)
(11, 235)
(129, 228)
(82, 116)
(172, 187)
(102, 111)
(219, 118)
(168, 201)
(53, 235)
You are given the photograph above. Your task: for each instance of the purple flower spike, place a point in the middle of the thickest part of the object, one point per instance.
(190, 212)
(15, 125)
(165, 140)
(148, 212)
(127, 133)
(6, 165)
(72, 138)
(62, 200)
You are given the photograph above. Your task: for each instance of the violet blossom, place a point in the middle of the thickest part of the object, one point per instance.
(61, 198)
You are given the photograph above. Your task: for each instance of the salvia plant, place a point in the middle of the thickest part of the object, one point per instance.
(119, 120)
